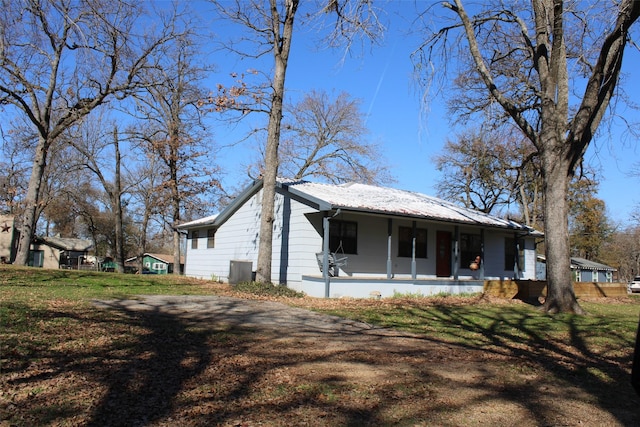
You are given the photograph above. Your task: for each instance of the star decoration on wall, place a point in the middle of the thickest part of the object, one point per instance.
(5, 228)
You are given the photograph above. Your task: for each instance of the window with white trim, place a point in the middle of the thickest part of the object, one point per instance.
(194, 239)
(211, 238)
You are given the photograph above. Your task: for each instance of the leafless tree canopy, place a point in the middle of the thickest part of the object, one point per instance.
(325, 137)
(481, 169)
(268, 27)
(59, 60)
(552, 69)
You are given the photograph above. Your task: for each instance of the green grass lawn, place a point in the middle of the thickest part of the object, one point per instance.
(65, 351)
(32, 284)
(608, 325)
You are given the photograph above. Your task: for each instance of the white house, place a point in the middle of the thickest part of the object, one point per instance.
(360, 240)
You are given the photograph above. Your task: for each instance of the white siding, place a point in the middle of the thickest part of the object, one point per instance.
(302, 239)
(298, 237)
(238, 239)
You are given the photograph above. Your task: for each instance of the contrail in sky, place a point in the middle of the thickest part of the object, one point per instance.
(375, 94)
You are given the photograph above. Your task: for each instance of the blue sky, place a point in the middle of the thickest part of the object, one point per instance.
(382, 79)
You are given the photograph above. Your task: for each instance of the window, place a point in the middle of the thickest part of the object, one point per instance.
(512, 245)
(36, 258)
(343, 237)
(470, 248)
(577, 275)
(194, 239)
(405, 242)
(159, 266)
(211, 238)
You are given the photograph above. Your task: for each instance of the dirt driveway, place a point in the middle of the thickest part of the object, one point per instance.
(280, 365)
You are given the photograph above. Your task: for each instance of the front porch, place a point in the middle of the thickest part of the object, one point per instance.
(374, 287)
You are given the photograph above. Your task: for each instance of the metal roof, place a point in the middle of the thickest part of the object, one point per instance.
(384, 200)
(198, 222)
(585, 264)
(369, 199)
(66, 244)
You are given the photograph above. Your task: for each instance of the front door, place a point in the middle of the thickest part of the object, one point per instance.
(443, 254)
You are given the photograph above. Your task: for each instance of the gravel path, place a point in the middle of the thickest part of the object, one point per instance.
(255, 314)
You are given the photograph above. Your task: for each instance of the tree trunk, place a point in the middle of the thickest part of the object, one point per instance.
(176, 251)
(117, 203)
(265, 251)
(556, 176)
(282, 45)
(29, 218)
(174, 144)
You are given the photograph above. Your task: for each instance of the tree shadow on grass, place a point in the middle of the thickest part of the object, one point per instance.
(196, 361)
(571, 357)
(144, 377)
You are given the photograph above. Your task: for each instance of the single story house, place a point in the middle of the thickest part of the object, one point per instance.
(59, 252)
(582, 270)
(157, 263)
(45, 252)
(360, 240)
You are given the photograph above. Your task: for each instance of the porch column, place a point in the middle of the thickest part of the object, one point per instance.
(456, 252)
(413, 251)
(516, 261)
(481, 266)
(325, 255)
(389, 232)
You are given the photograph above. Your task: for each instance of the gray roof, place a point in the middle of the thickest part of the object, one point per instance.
(201, 221)
(66, 244)
(370, 199)
(585, 264)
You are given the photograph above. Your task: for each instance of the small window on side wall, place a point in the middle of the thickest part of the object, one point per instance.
(211, 238)
(194, 239)
(512, 248)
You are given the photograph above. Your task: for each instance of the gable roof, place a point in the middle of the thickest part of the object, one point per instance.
(65, 243)
(201, 221)
(370, 199)
(166, 258)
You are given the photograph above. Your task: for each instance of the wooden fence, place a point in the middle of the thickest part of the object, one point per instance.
(534, 289)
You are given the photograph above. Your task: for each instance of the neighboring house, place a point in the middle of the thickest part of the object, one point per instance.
(59, 252)
(7, 239)
(589, 271)
(157, 263)
(360, 240)
(46, 252)
(582, 270)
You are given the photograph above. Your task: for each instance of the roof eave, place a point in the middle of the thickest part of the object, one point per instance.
(231, 208)
(522, 229)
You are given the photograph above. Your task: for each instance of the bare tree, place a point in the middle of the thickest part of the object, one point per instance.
(147, 194)
(326, 139)
(479, 169)
(171, 128)
(533, 62)
(14, 168)
(268, 29)
(61, 59)
(92, 144)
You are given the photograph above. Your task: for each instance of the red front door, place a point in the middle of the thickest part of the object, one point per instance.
(443, 254)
